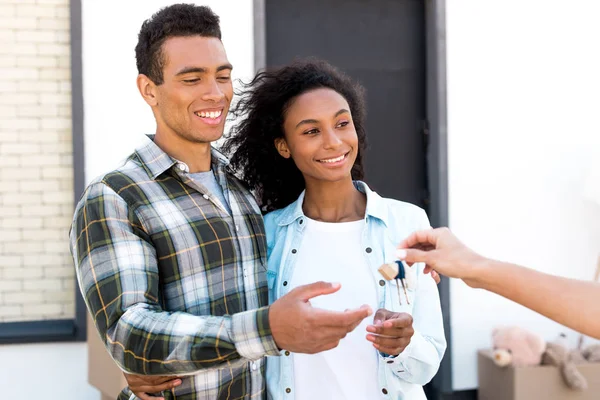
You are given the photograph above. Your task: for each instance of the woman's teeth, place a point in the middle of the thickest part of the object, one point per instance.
(210, 114)
(333, 160)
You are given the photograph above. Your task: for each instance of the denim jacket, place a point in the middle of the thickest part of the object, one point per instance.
(387, 223)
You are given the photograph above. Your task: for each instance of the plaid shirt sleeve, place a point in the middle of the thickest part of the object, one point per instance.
(118, 276)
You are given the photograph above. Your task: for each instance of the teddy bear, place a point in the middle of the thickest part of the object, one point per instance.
(558, 354)
(516, 346)
(592, 353)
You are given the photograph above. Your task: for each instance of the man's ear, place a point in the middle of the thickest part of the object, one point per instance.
(282, 148)
(147, 89)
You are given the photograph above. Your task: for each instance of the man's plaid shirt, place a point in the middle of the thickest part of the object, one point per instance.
(176, 285)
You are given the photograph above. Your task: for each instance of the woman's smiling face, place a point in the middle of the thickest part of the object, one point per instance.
(320, 135)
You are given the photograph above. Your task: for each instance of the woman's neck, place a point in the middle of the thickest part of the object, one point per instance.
(334, 201)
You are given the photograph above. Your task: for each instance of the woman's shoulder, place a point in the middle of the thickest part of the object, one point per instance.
(273, 218)
(406, 213)
(274, 222)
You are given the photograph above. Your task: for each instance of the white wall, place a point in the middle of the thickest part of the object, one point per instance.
(116, 117)
(523, 87)
(56, 371)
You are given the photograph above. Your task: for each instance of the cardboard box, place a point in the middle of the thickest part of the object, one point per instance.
(103, 373)
(531, 383)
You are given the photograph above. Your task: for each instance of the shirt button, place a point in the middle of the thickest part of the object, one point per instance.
(237, 227)
(382, 283)
(294, 251)
(301, 221)
(288, 390)
(287, 353)
(181, 167)
(390, 362)
(384, 390)
(284, 283)
(205, 196)
(253, 366)
(368, 250)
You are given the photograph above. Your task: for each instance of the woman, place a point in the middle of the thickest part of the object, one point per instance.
(299, 147)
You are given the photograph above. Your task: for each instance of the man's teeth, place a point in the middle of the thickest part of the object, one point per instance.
(210, 114)
(333, 160)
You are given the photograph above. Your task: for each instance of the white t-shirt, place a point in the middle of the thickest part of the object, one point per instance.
(333, 252)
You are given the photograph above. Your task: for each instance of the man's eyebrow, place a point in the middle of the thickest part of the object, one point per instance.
(202, 70)
(225, 67)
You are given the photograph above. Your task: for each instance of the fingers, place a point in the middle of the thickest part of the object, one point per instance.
(436, 277)
(142, 391)
(357, 322)
(147, 380)
(423, 237)
(412, 256)
(393, 335)
(146, 396)
(381, 315)
(401, 320)
(349, 318)
(389, 342)
(307, 292)
(392, 346)
(392, 328)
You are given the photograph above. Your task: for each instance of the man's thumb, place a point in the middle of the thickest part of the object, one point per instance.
(311, 290)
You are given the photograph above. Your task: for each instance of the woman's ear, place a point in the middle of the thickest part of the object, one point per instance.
(282, 148)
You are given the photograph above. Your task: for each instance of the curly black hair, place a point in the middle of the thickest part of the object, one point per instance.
(173, 21)
(277, 181)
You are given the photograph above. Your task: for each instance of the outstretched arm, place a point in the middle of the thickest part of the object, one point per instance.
(573, 303)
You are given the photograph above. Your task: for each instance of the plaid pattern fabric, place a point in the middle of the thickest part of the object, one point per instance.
(176, 285)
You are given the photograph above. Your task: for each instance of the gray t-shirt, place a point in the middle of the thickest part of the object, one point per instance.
(208, 180)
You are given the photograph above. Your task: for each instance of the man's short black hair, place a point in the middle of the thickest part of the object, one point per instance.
(173, 21)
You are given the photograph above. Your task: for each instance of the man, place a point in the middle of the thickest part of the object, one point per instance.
(169, 248)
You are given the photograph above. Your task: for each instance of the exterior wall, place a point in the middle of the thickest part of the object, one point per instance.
(523, 135)
(36, 171)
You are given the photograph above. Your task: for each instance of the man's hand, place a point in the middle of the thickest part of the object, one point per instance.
(143, 385)
(391, 331)
(300, 328)
(442, 252)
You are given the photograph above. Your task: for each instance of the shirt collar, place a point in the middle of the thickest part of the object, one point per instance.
(155, 161)
(376, 206)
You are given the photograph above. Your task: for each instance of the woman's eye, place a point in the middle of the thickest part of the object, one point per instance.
(312, 132)
(191, 80)
(343, 124)
(224, 78)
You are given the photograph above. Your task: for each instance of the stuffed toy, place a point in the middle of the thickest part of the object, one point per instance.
(558, 355)
(592, 353)
(516, 346)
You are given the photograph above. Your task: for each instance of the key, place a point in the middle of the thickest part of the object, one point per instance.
(397, 271)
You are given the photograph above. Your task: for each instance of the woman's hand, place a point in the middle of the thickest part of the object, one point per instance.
(391, 331)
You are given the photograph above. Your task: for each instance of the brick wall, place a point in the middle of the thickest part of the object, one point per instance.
(36, 173)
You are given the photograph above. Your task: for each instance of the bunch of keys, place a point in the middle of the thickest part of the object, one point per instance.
(397, 271)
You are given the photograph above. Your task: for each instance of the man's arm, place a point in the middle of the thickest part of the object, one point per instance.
(118, 276)
(573, 303)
